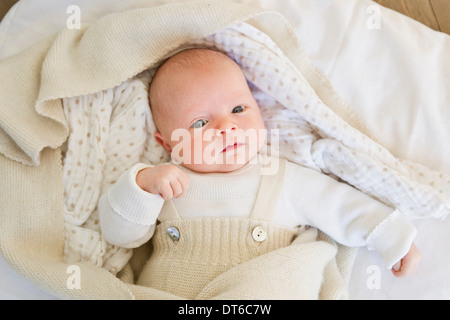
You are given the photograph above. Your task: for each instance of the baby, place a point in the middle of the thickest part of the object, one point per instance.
(203, 96)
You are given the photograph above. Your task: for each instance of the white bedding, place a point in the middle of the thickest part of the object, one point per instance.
(392, 76)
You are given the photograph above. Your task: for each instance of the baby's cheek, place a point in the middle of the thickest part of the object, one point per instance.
(211, 149)
(256, 138)
(197, 149)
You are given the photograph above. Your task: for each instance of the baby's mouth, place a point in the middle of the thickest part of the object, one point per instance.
(232, 147)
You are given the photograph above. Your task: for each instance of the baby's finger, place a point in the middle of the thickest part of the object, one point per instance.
(166, 191)
(397, 266)
(177, 189)
(397, 270)
(184, 180)
(398, 273)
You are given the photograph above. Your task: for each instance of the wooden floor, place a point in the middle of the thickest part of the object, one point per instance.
(433, 13)
(4, 6)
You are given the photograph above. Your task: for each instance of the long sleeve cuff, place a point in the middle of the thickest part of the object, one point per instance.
(131, 202)
(392, 238)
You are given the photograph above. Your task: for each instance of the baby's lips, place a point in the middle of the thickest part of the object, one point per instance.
(233, 146)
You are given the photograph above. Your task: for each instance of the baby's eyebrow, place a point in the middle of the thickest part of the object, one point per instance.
(188, 120)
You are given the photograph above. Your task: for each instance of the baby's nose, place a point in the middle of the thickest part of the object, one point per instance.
(223, 131)
(225, 126)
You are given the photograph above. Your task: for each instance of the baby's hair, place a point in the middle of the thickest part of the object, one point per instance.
(190, 57)
(186, 59)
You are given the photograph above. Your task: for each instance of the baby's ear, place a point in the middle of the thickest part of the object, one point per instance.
(160, 139)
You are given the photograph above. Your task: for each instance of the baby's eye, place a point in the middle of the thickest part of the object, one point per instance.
(238, 109)
(199, 123)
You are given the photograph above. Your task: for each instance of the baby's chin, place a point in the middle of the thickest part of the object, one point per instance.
(214, 168)
(228, 163)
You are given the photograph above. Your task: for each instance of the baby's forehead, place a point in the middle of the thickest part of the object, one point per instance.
(191, 61)
(194, 59)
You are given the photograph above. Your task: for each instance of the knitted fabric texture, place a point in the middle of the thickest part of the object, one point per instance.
(207, 248)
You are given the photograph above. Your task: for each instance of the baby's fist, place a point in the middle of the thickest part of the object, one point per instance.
(407, 266)
(168, 181)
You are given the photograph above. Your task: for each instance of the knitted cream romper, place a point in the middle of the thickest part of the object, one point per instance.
(188, 254)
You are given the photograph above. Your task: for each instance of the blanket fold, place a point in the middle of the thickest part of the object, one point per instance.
(85, 91)
(25, 131)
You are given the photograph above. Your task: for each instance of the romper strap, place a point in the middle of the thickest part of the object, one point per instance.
(168, 212)
(269, 191)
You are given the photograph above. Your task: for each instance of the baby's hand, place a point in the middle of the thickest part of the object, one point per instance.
(408, 264)
(167, 181)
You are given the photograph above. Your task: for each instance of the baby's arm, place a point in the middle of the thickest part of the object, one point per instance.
(129, 210)
(350, 216)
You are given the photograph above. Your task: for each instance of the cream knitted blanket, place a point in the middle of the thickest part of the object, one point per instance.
(93, 71)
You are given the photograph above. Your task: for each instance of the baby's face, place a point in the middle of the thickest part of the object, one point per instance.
(208, 118)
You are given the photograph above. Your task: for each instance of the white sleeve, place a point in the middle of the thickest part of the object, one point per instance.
(348, 215)
(127, 213)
